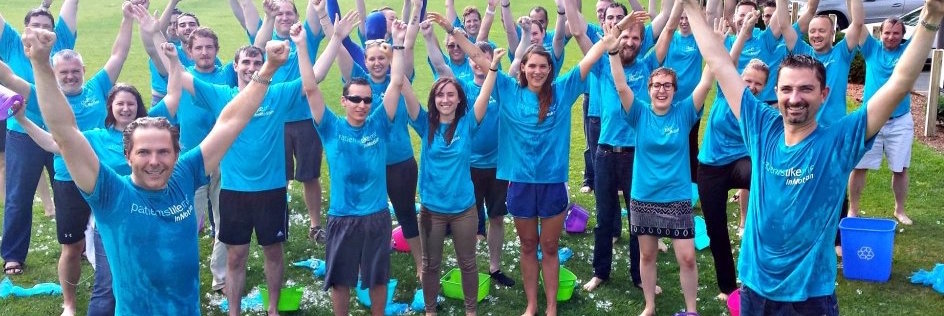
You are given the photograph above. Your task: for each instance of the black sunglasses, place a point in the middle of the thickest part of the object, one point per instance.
(358, 99)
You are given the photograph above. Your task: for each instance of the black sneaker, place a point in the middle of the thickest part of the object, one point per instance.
(502, 279)
(316, 234)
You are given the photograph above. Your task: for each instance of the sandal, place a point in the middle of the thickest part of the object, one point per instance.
(12, 268)
(686, 314)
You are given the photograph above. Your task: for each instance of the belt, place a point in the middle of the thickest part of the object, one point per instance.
(615, 149)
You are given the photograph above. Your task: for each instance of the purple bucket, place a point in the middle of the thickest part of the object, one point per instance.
(576, 222)
(7, 98)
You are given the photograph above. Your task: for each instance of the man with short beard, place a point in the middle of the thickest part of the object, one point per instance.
(895, 138)
(799, 166)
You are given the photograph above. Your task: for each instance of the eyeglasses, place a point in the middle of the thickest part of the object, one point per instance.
(358, 99)
(452, 46)
(660, 85)
(373, 42)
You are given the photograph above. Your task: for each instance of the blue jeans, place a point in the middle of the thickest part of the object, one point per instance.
(102, 302)
(614, 171)
(591, 131)
(25, 161)
(753, 303)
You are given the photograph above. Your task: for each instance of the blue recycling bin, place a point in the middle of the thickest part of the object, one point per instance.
(867, 248)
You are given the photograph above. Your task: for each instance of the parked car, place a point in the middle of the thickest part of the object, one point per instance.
(875, 10)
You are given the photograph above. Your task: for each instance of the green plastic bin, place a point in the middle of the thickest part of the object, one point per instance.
(567, 281)
(289, 298)
(452, 285)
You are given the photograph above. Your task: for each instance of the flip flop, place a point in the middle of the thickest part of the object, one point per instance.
(12, 268)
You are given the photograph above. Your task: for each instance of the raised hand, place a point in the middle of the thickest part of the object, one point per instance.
(720, 27)
(441, 20)
(935, 8)
(127, 10)
(146, 21)
(143, 3)
(17, 106)
(497, 56)
(492, 3)
(270, 7)
(610, 38)
(398, 31)
(297, 33)
(277, 52)
(525, 23)
(169, 50)
(417, 3)
(426, 28)
(633, 18)
(46, 4)
(37, 43)
(319, 5)
(749, 21)
(344, 25)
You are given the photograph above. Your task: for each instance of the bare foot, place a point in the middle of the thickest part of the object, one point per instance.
(722, 297)
(662, 246)
(648, 312)
(68, 311)
(838, 251)
(615, 239)
(903, 219)
(658, 291)
(853, 213)
(592, 284)
(585, 189)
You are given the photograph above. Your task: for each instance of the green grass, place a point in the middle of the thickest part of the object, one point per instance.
(918, 246)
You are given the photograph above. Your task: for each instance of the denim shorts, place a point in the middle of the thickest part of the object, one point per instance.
(533, 200)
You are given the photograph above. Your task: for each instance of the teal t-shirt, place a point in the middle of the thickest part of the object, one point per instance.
(660, 169)
(289, 70)
(109, 146)
(15, 57)
(160, 110)
(399, 146)
(151, 239)
(461, 71)
(837, 60)
(356, 162)
(722, 143)
(537, 152)
(879, 65)
(685, 58)
(32, 112)
(194, 116)
(485, 140)
(90, 111)
(445, 179)
(796, 196)
(760, 45)
(159, 83)
(256, 160)
(614, 130)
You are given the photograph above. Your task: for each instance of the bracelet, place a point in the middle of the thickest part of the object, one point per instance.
(258, 78)
(613, 53)
(399, 47)
(506, 4)
(493, 69)
(323, 16)
(489, 11)
(560, 12)
(929, 26)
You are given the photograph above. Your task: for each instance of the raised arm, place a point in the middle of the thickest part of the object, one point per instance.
(247, 14)
(591, 58)
(560, 33)
(315, 12)
(749, 21)
(119, 50)
(713, 51)
(577, 25)
(177, 78)
(69, 12)
(886, 99)
(309, 82)
(168, 14)
(409, 41)
(13, 82)
(451, 14)
(474, 53)
(337, 32)
(237, 113)
(782, 19)
(611, 44)
(659, 20)
(434, 51)
(391, 99)
(150, 34)
(508, 22)
(635, 5)
(857, 25)
(707, 77)
(665, 39)
(80, 158)
(804, 19)
(362, 11)
(714, 10)
(268, 23)
(524, 23)
(487, 20)
(40, 137)
(481, 101)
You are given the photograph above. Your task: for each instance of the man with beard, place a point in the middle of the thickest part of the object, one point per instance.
(895, 138)
(176, 27)
(613, 158)
(799, 167)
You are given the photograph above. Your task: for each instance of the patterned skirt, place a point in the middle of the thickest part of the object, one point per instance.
(672, 219)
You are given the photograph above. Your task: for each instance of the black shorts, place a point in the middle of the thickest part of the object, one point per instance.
(72, 212)
(490, 192)
(264, 211)
(3, 136)
(302, 150)
(358, 245)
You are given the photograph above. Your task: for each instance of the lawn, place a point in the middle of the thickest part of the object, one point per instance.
(915, 245)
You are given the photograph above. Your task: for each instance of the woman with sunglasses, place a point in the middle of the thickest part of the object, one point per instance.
(535, 116)
(123, 105)
(660, 198)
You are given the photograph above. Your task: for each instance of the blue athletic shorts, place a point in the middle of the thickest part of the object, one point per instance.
(533, 200)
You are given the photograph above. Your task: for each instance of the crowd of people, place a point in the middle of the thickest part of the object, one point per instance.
(222, 140)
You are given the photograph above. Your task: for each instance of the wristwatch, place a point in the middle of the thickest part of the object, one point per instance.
(260, 79)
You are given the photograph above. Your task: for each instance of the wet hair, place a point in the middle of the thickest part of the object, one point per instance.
(123, 87)
(294, 8)
(249, 51)
(471, 10)
(618, 5)
(359, 81)
(433, 111)
(485, 47)
(758, 65)
(747, 2)
(66, 54)
(893, 21)
(545, 95)
(150, 122)
(541, 10)
(38, 12)
(663, 71)
(203, 32)
(801, 61)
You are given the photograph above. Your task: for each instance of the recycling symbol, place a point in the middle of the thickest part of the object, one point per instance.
(865, 253)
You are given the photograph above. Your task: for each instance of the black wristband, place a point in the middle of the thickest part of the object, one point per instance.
(560, 12)
(506, 5)
(493, 69)
(614, 52)
(399, 47)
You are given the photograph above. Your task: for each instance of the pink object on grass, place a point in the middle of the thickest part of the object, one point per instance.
(734, 303)
(7, 99)
(398, 241)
